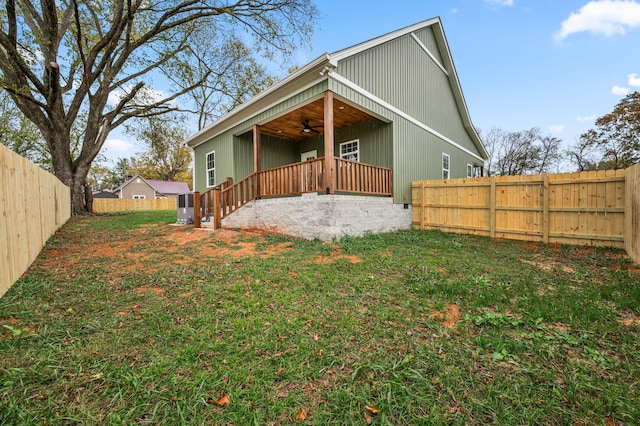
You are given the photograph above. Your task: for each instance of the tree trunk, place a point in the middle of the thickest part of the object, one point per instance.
(73, 174)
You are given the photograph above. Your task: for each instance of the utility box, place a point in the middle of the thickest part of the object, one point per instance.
(185, 208)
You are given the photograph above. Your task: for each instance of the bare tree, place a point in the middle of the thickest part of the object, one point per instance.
(521, 152)
(89, 64)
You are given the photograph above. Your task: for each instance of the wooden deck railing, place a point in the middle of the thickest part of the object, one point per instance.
(291, 179)
(361, 178)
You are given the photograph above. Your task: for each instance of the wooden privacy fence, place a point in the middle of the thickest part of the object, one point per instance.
(585, 208)
(108, 205)
(632, 213)
(33, 205)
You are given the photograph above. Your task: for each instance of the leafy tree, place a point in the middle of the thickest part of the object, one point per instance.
(521, 152)
(166, 158)
(234, 75)
(21, 135)
(615, 142)
(88, 64)
(99, 176)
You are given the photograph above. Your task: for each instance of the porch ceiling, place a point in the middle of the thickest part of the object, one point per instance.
(289, 126)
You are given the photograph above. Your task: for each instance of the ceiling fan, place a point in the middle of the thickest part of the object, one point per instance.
(307, 128)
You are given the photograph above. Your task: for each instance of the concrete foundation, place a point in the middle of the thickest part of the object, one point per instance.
(326, 217)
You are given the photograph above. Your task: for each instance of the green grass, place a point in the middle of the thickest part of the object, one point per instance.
(126, 320)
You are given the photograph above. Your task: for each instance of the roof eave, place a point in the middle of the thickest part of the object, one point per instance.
(361, 47)
(261, 101)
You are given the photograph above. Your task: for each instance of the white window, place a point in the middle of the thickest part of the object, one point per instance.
(211, 169)
(350, 150)
(446, 166)
(139, 197)
(469, 171)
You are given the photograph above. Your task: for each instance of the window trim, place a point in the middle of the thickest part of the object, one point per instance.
(139, 196)
(207, 169)
(357, 152)
(446, 170)
(469, 170)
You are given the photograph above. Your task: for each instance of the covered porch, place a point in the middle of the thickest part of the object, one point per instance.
(331, 173)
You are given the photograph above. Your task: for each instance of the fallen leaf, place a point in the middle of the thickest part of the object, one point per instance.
(302, 415)
(372, 410)
(224, 400)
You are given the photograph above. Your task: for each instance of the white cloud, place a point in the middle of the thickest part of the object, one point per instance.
(608, 17)
(587, 118)
(557, 128)
(454, 11)
(634, 80)
(620, 91)
(500, 2)
(118, 145)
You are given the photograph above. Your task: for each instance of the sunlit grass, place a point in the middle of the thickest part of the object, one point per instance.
(124, 319)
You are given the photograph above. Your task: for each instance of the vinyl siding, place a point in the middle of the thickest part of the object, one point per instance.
(135, 188)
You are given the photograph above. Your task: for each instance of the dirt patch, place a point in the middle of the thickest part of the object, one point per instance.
(336, 255)
(154, 241)
(631, 268)
(449, 318)
(548, 266)
(154, 290)
(187, 237)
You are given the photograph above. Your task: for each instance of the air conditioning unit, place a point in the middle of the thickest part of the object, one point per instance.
(185, 208)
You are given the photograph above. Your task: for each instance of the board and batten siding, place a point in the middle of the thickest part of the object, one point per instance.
(403, 75)
(223, 147)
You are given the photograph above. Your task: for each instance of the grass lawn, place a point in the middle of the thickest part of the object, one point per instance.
(123, 319)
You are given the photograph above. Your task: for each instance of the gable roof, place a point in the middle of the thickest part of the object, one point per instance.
(167, 187)
(160, 186)
(321, 69)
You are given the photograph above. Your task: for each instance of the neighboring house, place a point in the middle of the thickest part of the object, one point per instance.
(354, 127)
(139, 187)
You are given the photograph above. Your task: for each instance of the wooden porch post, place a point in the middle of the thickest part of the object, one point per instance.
(196, 210)
(217, 208)
(329, 161)
(256, 160)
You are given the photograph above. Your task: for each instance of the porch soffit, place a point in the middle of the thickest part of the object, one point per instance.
(290, 126)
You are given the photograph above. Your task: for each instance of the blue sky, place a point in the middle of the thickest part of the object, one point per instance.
(553, 64)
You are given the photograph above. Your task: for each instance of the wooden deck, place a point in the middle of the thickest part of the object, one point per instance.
(351, 177)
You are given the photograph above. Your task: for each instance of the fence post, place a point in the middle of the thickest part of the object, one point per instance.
(423, 206)
(196, 210)
(545, 209)
(492, 208)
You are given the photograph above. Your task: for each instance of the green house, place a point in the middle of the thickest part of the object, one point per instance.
(332, 149)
